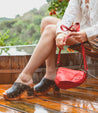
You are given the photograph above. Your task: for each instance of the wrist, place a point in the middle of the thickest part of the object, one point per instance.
(85, 35)
(60, 34)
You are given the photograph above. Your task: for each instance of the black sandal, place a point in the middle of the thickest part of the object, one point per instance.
(44, 85)
(15, 92)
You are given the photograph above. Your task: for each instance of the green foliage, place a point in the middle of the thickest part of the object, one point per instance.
(24, 29)
(37, 19)
(5, 50)
(4, 19)
(3, 38)
(7, 24)
(44, 10)
(57, 7)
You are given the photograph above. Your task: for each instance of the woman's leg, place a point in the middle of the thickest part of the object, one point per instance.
(48, 21)
(44, 50)
(48, 81)
(50, 61)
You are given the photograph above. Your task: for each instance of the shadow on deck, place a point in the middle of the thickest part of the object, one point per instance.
(83, 99)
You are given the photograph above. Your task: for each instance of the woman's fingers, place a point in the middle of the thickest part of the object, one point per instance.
(75, 36)
(71, 41)
(79, 36)
(60, 43)
(74, 33)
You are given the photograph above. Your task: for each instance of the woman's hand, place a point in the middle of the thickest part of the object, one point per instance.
(74, 37)
(79, 36)
(60, 43)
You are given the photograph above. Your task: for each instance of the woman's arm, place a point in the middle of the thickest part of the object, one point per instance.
(86, 34)
(72, 13)
(92, 32)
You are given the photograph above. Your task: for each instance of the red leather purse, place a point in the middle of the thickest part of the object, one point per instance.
(69, 78)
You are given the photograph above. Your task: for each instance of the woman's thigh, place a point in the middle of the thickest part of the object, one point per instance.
(48, 21)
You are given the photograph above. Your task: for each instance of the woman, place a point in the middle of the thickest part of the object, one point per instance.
(83, 11)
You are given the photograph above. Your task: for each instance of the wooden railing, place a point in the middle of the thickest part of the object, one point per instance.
(11, 66)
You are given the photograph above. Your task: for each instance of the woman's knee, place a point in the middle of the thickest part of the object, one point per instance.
(47, 21)
(50, 30)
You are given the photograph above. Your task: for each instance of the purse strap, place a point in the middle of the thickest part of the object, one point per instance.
(73, 28)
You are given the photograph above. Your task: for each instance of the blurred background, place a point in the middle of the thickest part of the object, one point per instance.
(20, 22)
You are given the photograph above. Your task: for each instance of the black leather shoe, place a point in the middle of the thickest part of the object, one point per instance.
(15, 92)
(44, 85)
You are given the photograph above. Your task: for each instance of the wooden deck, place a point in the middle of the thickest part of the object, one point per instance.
(83, 99)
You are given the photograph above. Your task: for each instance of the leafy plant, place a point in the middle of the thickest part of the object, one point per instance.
(57, 7)
(3, 38)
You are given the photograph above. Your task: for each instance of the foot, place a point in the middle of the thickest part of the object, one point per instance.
(44, 85)
(25, 79)
(19, 87)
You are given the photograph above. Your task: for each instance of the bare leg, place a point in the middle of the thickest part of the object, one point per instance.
(50, 65)
(45, 50)
(50, 61)
(40, 54)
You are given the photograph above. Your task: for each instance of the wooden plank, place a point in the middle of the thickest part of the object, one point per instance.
(10, 70)
(81, 93)
(5, 86)
(62, 107)
(66, 101)
(95, 93)
(92, 81)
(72, 59)
(39, 70)
(81, 103)
(1, 91)
(88, 87)
(5, 62)
(18, 62)
(5, 78)
(28, 105)
(14, 77)
(4, 109)
(19, 106)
